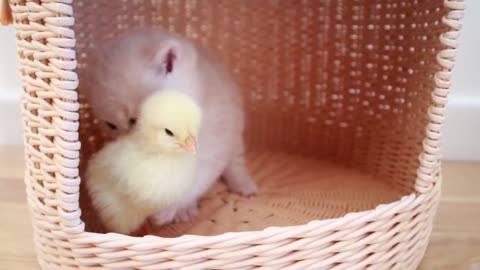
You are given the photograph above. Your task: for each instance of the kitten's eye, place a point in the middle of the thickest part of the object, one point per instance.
(110, 125)
(169, 61)
(132, 122)
(169, 132)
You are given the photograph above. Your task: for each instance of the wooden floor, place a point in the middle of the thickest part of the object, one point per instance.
(455, 243)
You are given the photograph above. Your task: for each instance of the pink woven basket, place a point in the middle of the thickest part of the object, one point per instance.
(344, 99)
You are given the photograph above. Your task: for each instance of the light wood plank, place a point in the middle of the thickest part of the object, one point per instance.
(11, 162)
(451, 252)
(461, 181)
(16, 244)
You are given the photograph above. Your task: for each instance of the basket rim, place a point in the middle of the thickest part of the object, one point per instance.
(430, 156)
(408, 202)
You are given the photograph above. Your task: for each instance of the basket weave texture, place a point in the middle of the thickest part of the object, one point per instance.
(344, 100)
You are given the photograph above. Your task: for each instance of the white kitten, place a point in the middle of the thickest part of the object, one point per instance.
(125, 70)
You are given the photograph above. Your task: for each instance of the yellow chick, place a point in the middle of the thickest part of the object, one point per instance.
(151, 169)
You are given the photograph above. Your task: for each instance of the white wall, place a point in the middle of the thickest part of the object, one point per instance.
(462, 129)
(10, 120)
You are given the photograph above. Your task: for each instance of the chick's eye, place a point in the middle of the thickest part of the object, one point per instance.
(169, 132)
(110, 125)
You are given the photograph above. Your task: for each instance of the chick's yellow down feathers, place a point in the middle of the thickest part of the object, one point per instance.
(151, 169)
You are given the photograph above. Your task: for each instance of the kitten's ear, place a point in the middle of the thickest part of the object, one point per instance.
(165, 59)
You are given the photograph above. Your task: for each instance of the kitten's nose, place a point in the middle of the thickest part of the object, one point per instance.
(132, 122)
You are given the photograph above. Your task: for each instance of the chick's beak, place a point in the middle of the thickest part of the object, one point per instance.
(190, 144)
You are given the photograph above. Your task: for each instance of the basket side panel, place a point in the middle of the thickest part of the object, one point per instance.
(50, 119)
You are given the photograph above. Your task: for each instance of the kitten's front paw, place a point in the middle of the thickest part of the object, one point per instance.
(186, 214)
(162, 217)
(244, 188)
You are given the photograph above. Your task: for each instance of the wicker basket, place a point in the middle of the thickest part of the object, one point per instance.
(345, 100)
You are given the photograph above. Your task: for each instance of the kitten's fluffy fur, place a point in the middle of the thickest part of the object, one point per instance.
(122, 72)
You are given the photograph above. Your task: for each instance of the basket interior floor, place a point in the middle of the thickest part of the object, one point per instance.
(293, 190)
